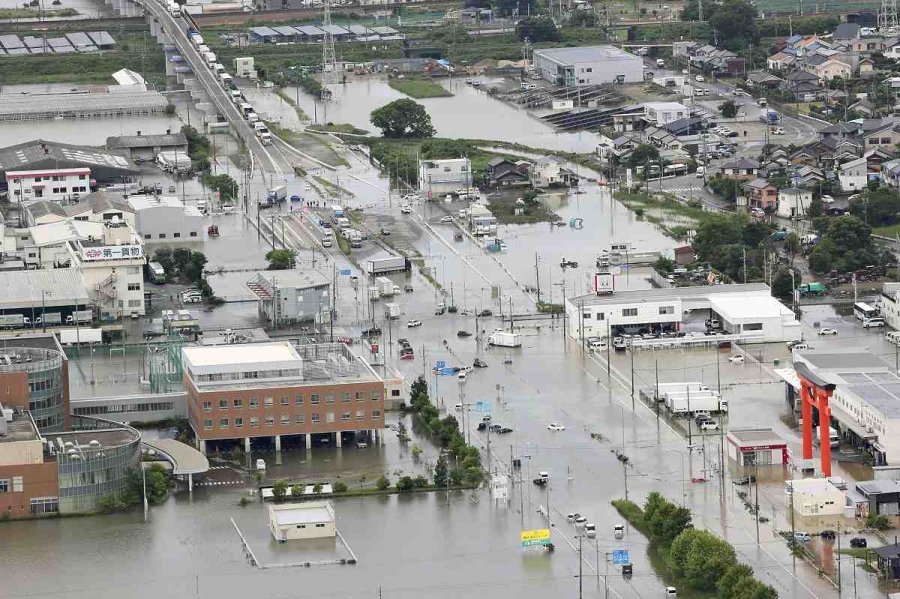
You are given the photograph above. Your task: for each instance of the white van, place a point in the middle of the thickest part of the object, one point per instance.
(660, 62)
(619, 531)
(873, 323)
(893, 337)
(590, 530)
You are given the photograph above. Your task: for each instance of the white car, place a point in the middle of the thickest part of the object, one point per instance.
(827, 199)
(709, 425)
(447, 219)
(414, 323)
(597, 343)
(736, 359)
(698, 78)
(827, 331)
(405, 209)
(553, 426)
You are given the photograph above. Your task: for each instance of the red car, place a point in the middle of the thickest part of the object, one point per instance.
(409, 356)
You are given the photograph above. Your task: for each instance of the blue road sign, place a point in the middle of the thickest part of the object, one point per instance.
(482, 406)
(446, 372)
(345, 272)
(620, 557)
(440, 364)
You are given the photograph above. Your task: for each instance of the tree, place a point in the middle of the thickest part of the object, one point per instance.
(281, 259)
(405, 483)
(727, 583)
(537, 29)
(317, 488)
(691, 11)
(403, 118)
(701, 558)
(783, 283)
(816, 208)
(754, 232)
(847, 245)
(164, 257)
(715, 232)
(878, 522)
(669, 520)
(383, 483)
(157, 484)
(441, 474)
(735, 24)
(279, 489)
(642, 155)
(297, 489)
(878, 208)
(728, 109)
(223, 184)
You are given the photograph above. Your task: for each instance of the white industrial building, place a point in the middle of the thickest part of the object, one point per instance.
(889, 304)
(298, 521)
(865, 405)
(438, 177)
(748, 310)
(290, 296)
(54, 185)
(663, 113)
(588, 65)
(101, 207)
(815, 497)
(165, 219)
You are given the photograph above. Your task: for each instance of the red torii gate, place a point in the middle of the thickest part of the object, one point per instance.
(815, 392)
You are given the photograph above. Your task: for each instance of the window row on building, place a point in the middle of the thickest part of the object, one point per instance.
(286, 419)
(286, 401)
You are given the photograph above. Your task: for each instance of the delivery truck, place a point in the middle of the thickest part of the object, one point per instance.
(503, 338)
(276, 195)
(385, 286)
(48, 318)
(391, 311)
(14, 321)
(705, 403)
(378, 266)
(80, 317)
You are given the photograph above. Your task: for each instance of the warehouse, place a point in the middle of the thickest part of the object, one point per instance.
(147, 147)
(289, 296)
(38, 155)
(588, 65)
(165, 219)
(28, 292)
(745, 310)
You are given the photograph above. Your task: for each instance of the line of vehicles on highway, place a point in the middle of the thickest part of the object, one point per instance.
(227, 83)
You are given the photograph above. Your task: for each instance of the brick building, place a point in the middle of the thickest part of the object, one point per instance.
(276, 390)
(29, 483)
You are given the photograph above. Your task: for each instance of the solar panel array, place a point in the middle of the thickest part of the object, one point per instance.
(880, 389)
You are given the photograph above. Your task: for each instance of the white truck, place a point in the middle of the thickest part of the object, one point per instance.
(210, 58)
(385, 286)
(197, 40)
(80, 317)
(391, 311)
(378, 266)
(664, 388)
(173, 8)
(502, 338)
(14, 321)
(79, 336)
(707, 403)
(833, 436)
(374, 295)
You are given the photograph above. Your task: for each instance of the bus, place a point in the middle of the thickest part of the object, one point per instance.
(864, 311)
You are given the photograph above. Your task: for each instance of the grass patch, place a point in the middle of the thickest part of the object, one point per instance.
(136, 50)
(504, 207)
(282, 93)
(338, 128)
(419, 88)
(673, 217)
(888, 231)
(33, 13)
(857, 552)
(332, 187)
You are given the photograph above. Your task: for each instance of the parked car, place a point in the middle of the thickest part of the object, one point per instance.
(827, 331)
(485, 314)
(698, 78)
(504, 430)
(482, 426)
(736, 359)
(463, 334)
(414, 323)
(745, 480)
(859, 543)
(572, 517)
(597, 344)
(479, 363)
(827, 199)
(802, 537)
(553, 426)
(709, 425)
(447, 219)
(828, 534)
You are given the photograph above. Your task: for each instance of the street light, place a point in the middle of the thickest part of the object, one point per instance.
(683, 493)
(44, 293)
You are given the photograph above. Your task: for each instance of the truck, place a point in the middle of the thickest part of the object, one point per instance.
(711, 403)
(173, 8)
(383, 265)
(80, 317)
(196, 39)
(664, 388)
(391, 311)
(226, 80)
(79, 336)
(210, 58)
(13, 321)
(833, 436)
(374, 294)
(48, 318)
(812, 289)
(337, 212)
(156, 273)
(768, 116)
(502, 338)
(276, 195)
(385, 286)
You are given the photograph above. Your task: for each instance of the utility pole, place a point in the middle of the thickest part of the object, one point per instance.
(580, 565)
(632, 376)
(537, 277)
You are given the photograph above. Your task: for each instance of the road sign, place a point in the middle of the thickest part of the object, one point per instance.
(446, 371)
(440, 364)
(345, 272)
(482, 406)
(541, 536)
(620, 557)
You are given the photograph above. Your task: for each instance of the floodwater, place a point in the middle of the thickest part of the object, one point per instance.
(469, 113)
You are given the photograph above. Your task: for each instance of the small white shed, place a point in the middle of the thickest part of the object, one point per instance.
(308, 520)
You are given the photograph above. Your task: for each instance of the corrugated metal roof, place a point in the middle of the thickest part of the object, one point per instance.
(10, 42)
(263, 32)
(285, 31)
(22, 288)
(310, 30)
(79, 39)
(335, 29)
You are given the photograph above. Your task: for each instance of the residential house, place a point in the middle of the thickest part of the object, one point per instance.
(890, 172)
(863, 107)
(779, 61)
(886, 137)
(617, 148)
(661, 113)
(501, 172)
(829, 68)
(793, 202)
(868, 45)
(687, 126)
(763, 80)
(853, 175)
(892, 52)
(761, 194)
(803, 85)
(740, 169)
(43, 212)
(866, 67)
(550, 172)
(806, 176)
(875, 158)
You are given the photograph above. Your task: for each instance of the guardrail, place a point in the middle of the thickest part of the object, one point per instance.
(688, 341)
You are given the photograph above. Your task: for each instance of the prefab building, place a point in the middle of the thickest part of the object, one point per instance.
(756, 447)
(588, 65)
(298, 521)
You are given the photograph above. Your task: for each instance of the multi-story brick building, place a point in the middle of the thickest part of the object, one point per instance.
(276, 390)
(29, 483)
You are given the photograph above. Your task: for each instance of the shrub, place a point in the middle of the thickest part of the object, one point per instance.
(279, 489)
(339, 487)
(383, 484)
(297, 490)
(404, 484)
(879, 522)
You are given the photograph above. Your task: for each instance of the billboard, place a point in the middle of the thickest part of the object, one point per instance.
(604, 283)
(541, 536)
(111, 252)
